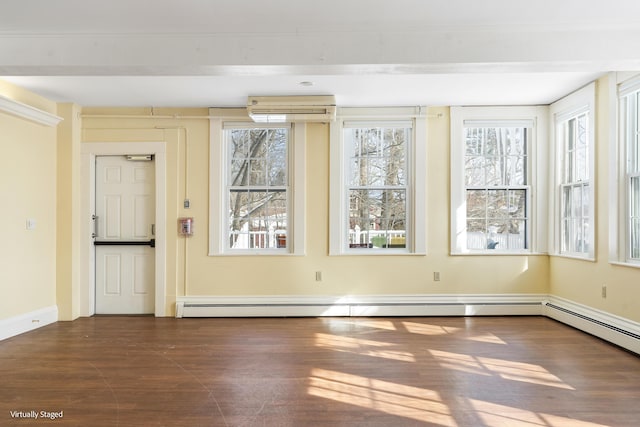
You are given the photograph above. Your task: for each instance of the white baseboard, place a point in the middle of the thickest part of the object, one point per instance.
(617, 330)
(622, 332)
(27, 322)
(361, 305)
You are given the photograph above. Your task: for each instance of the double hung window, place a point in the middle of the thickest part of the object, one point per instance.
(493, 157)
(376, 196)
(257, 184)
(573, 124)
(629, 109)
(257, 187)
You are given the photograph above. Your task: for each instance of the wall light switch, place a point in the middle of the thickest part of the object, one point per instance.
(31, 224)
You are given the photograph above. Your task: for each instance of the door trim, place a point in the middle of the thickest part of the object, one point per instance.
(88, 153)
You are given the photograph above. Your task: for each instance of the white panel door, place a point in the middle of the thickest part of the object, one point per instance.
(125, 259)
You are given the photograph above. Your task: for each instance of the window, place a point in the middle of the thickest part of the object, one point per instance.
(629, 109)
(574, 159)
(377, 198)
(493, 153)
(257, 185)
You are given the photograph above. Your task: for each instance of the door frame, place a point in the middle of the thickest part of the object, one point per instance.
(88, 153)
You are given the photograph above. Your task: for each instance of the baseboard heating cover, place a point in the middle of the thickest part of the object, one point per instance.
(617, 330)
(387, 305)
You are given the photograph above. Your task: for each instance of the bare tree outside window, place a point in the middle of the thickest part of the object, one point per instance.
(258, 187)
(377, 186)
(496, 187)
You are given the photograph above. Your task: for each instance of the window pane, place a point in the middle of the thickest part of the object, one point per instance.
(378, 156)
(515, 171)
(474, 172)
(255, 218)
(517, 204)
(497, 204)
(276, 157)
(586, 203)
(476, 204)
(258, 156)
(582, 148)
(496, 219)
(473, 141)
(476, 234)
(495, 156)
(377, 218)
(566, 202)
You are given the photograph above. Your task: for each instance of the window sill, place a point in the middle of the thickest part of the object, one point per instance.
(492, 253)
(255, 254)
(575, 257)
(625, 264)
(378, 253)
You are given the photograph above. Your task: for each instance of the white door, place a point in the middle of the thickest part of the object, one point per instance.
(124, 240)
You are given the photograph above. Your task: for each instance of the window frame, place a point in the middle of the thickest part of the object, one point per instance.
(218, 180)
(415, 185)
(502, 116)
(560, 112)
(622, 85)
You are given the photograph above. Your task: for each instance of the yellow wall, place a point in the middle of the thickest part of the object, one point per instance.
(582, 281)
(196, 273)
(40, 268)
(27, 191)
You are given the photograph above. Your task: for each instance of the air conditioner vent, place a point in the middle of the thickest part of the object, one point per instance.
(291, 108)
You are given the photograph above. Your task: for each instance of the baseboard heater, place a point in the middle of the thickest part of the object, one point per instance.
(358, 306)
(620, 331)
(616, 330)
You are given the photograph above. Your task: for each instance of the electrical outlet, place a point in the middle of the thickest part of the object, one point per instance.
(604, 291)
(436, 276)
(318, 276)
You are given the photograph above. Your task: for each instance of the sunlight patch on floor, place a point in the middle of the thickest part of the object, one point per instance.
(377, 324)
(460, 362)
(494, 415)
(425, 329)
(362, 347)
(390, 398)
(487, 338)
(506, 369)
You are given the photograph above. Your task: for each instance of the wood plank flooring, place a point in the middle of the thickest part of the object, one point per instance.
(454, 371)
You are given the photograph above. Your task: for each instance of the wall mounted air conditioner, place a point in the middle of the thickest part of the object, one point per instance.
(274, 109)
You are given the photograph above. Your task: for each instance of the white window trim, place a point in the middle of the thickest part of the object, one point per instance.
(417, 208)
(620, 83)
(538, 179)
(217, 181)
(583, 100)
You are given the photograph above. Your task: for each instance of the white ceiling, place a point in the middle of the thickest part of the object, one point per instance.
(200, 53)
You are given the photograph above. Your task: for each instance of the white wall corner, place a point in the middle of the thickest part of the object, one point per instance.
(27, 322)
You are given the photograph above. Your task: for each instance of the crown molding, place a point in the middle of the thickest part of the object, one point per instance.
(28, 112)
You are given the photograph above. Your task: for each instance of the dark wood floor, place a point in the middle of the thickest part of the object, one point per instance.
(484, 371)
